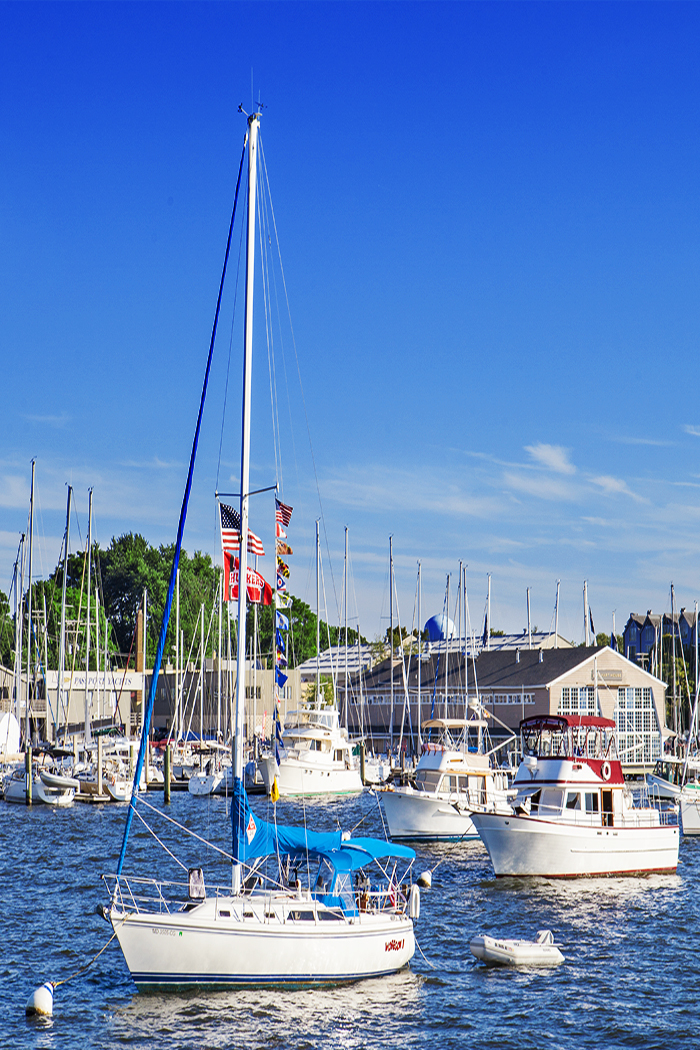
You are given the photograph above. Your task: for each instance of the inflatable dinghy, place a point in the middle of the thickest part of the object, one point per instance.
(505, 952)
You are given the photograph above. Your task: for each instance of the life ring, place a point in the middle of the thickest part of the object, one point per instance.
(605, 770)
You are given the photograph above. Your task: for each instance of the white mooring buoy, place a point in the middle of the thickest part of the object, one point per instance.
(425, 879)
(41, 1001)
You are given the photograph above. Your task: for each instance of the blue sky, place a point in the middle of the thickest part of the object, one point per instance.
(488, 216)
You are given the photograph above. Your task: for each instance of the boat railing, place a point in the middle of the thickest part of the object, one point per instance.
(138, 894)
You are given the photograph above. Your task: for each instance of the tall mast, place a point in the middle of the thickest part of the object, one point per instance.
(420, 654)
(695, 705)
(529, 631)
(447, 641)
(318, 616)
(177, 655)
(346, 626)
(466, 643)
(87, 620)
(488, 607)
(391, 645)
(673, 652)
(556, 618)
(201, 688)
(218, 686)
(29, 605)
(253, 127)
(62, 639)
(585, 612)
(459, 605)
(19, 601)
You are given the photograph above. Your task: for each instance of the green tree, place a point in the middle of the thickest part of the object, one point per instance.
(7, 632)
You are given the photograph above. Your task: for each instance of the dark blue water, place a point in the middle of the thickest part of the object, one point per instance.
(630, 978)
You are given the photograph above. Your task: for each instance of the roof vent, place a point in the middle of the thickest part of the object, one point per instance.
(541, 656)
(517, 656)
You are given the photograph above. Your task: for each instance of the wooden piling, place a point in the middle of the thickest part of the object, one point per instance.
(28, 776)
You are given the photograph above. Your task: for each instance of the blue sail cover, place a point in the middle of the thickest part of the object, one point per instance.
(253, 837)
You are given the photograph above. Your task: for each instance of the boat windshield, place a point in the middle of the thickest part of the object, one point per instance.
(428, 779)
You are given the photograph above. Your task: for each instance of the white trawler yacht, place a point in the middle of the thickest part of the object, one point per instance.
(454, 779)
(317, 758)
(299, 906)
(573, 814)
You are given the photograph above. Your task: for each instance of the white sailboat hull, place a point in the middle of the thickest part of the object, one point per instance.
(532, 846)
(689, 799)
(311, 774)
(420, 815)
(266, 946)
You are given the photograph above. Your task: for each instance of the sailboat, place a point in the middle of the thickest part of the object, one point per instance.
(301, 906)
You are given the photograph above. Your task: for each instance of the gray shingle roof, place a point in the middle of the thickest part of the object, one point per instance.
(494, 670)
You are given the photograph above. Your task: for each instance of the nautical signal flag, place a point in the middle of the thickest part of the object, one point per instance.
(284, 601)
(281, 621)
(282, 569)
(283, 513)
(230, 521)
(258, 589)
(281, 585)
(283, 548)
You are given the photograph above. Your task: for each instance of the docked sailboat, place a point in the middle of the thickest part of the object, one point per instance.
(573, 814)
(301, 906)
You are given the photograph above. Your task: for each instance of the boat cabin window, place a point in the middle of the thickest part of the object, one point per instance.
(591, 802)
(573, 800)
(428, 779)
(338, 755)
(463, 785)
(551, 800)
(449, 783)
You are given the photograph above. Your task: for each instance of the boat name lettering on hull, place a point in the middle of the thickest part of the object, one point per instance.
(162, 932)
(393, 946)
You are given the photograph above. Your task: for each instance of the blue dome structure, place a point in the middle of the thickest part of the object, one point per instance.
(439, 628)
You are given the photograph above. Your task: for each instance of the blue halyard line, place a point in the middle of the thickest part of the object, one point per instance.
(178, 545)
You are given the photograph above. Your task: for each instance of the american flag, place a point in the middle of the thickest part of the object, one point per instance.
(283, 513)
(231, 532)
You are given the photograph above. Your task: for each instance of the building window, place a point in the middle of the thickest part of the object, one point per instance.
(577, 700)
(638, 735)
(513, 698)
(250, 690)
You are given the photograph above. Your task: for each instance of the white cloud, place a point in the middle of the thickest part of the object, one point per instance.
(14, 491)
(540, 485)
(51, 421)
(552, 457)
(690, 429)
(616, 487)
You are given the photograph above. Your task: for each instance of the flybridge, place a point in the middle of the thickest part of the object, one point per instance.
(568, 736)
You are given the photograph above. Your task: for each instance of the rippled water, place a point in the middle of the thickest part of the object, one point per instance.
(629, 979)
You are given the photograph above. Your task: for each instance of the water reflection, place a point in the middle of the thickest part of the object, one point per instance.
(341, 1016)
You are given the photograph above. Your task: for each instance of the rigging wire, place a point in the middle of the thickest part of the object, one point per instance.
(303, 399)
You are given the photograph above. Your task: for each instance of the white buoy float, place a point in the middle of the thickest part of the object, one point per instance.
(425, 879)
(507, 952)
(41, 1001)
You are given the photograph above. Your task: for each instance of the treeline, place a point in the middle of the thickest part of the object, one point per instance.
(120, 575)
